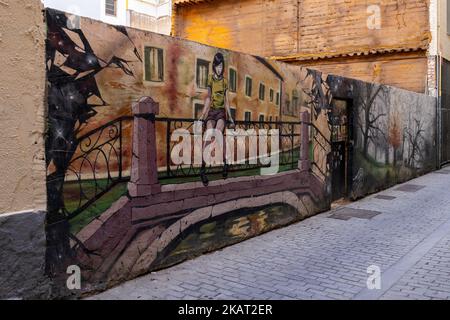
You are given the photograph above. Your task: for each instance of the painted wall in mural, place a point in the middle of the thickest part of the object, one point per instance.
(392, 136)
(119, 205)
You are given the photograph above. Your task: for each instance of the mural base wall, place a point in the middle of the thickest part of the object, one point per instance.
(22, 256)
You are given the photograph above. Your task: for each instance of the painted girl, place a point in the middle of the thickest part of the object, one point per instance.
(216, 111)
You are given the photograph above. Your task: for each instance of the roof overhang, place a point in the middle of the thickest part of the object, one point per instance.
(354, 53)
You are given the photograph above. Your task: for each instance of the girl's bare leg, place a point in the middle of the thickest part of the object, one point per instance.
(221, 127)
(209, 125)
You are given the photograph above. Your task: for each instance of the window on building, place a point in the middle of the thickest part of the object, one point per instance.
(288, 105)
(248, 86)
(198, 109)
(202, 73)
(111, 7)
(262, 91)
(271, 94)
(248, 116)
(277, 102)
(233, 80)
(261, 118)
(154, 64)
(270, 119)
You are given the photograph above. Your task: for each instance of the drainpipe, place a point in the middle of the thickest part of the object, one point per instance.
(439, 111)
(438, 70)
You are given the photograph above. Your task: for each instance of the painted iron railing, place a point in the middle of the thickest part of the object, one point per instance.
(288, 140)
(103, 159)
(97, 166)
(320, 153)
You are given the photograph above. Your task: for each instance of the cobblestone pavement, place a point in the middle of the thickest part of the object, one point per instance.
(326, 258)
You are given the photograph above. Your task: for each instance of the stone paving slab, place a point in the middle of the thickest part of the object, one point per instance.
(322, 258)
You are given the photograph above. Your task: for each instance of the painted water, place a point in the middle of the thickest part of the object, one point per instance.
(226, 230)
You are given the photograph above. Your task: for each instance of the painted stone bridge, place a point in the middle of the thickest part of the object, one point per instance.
(127, 239)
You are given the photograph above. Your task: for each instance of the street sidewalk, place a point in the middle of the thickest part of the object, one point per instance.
(404, 231)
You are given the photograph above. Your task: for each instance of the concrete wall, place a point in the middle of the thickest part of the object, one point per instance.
(22, 126)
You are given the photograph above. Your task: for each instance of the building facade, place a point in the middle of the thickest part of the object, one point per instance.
(151, 15)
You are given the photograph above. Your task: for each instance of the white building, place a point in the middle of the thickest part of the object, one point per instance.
(152, 15)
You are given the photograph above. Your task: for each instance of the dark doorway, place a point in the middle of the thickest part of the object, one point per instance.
(445, 113)
(341, 120)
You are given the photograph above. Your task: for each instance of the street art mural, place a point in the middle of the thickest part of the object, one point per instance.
(392, 138)
(125, 105)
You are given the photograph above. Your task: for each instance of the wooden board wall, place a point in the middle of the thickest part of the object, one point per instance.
(403, 70)
(306, 27)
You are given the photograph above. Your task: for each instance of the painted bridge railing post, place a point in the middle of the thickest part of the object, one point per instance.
(144, 168)
(304, 164)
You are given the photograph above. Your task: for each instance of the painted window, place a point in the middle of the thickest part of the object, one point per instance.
(248, 86)
(248, 116)
(261, 118)
(154, 64)
(198, 109)
(202, 73)
(262, 91)
(233, 113)
(294, 101)
(233, 80)
(111, 7)
(271, 94)
(277, 102)
(288, 105)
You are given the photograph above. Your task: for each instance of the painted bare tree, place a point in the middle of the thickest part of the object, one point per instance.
(72, 86)
(318, 99)
(369, 115)
(414, 136)
(318, 93)
(395, 135)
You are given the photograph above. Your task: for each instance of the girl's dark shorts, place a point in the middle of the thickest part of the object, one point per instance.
(216, 115)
